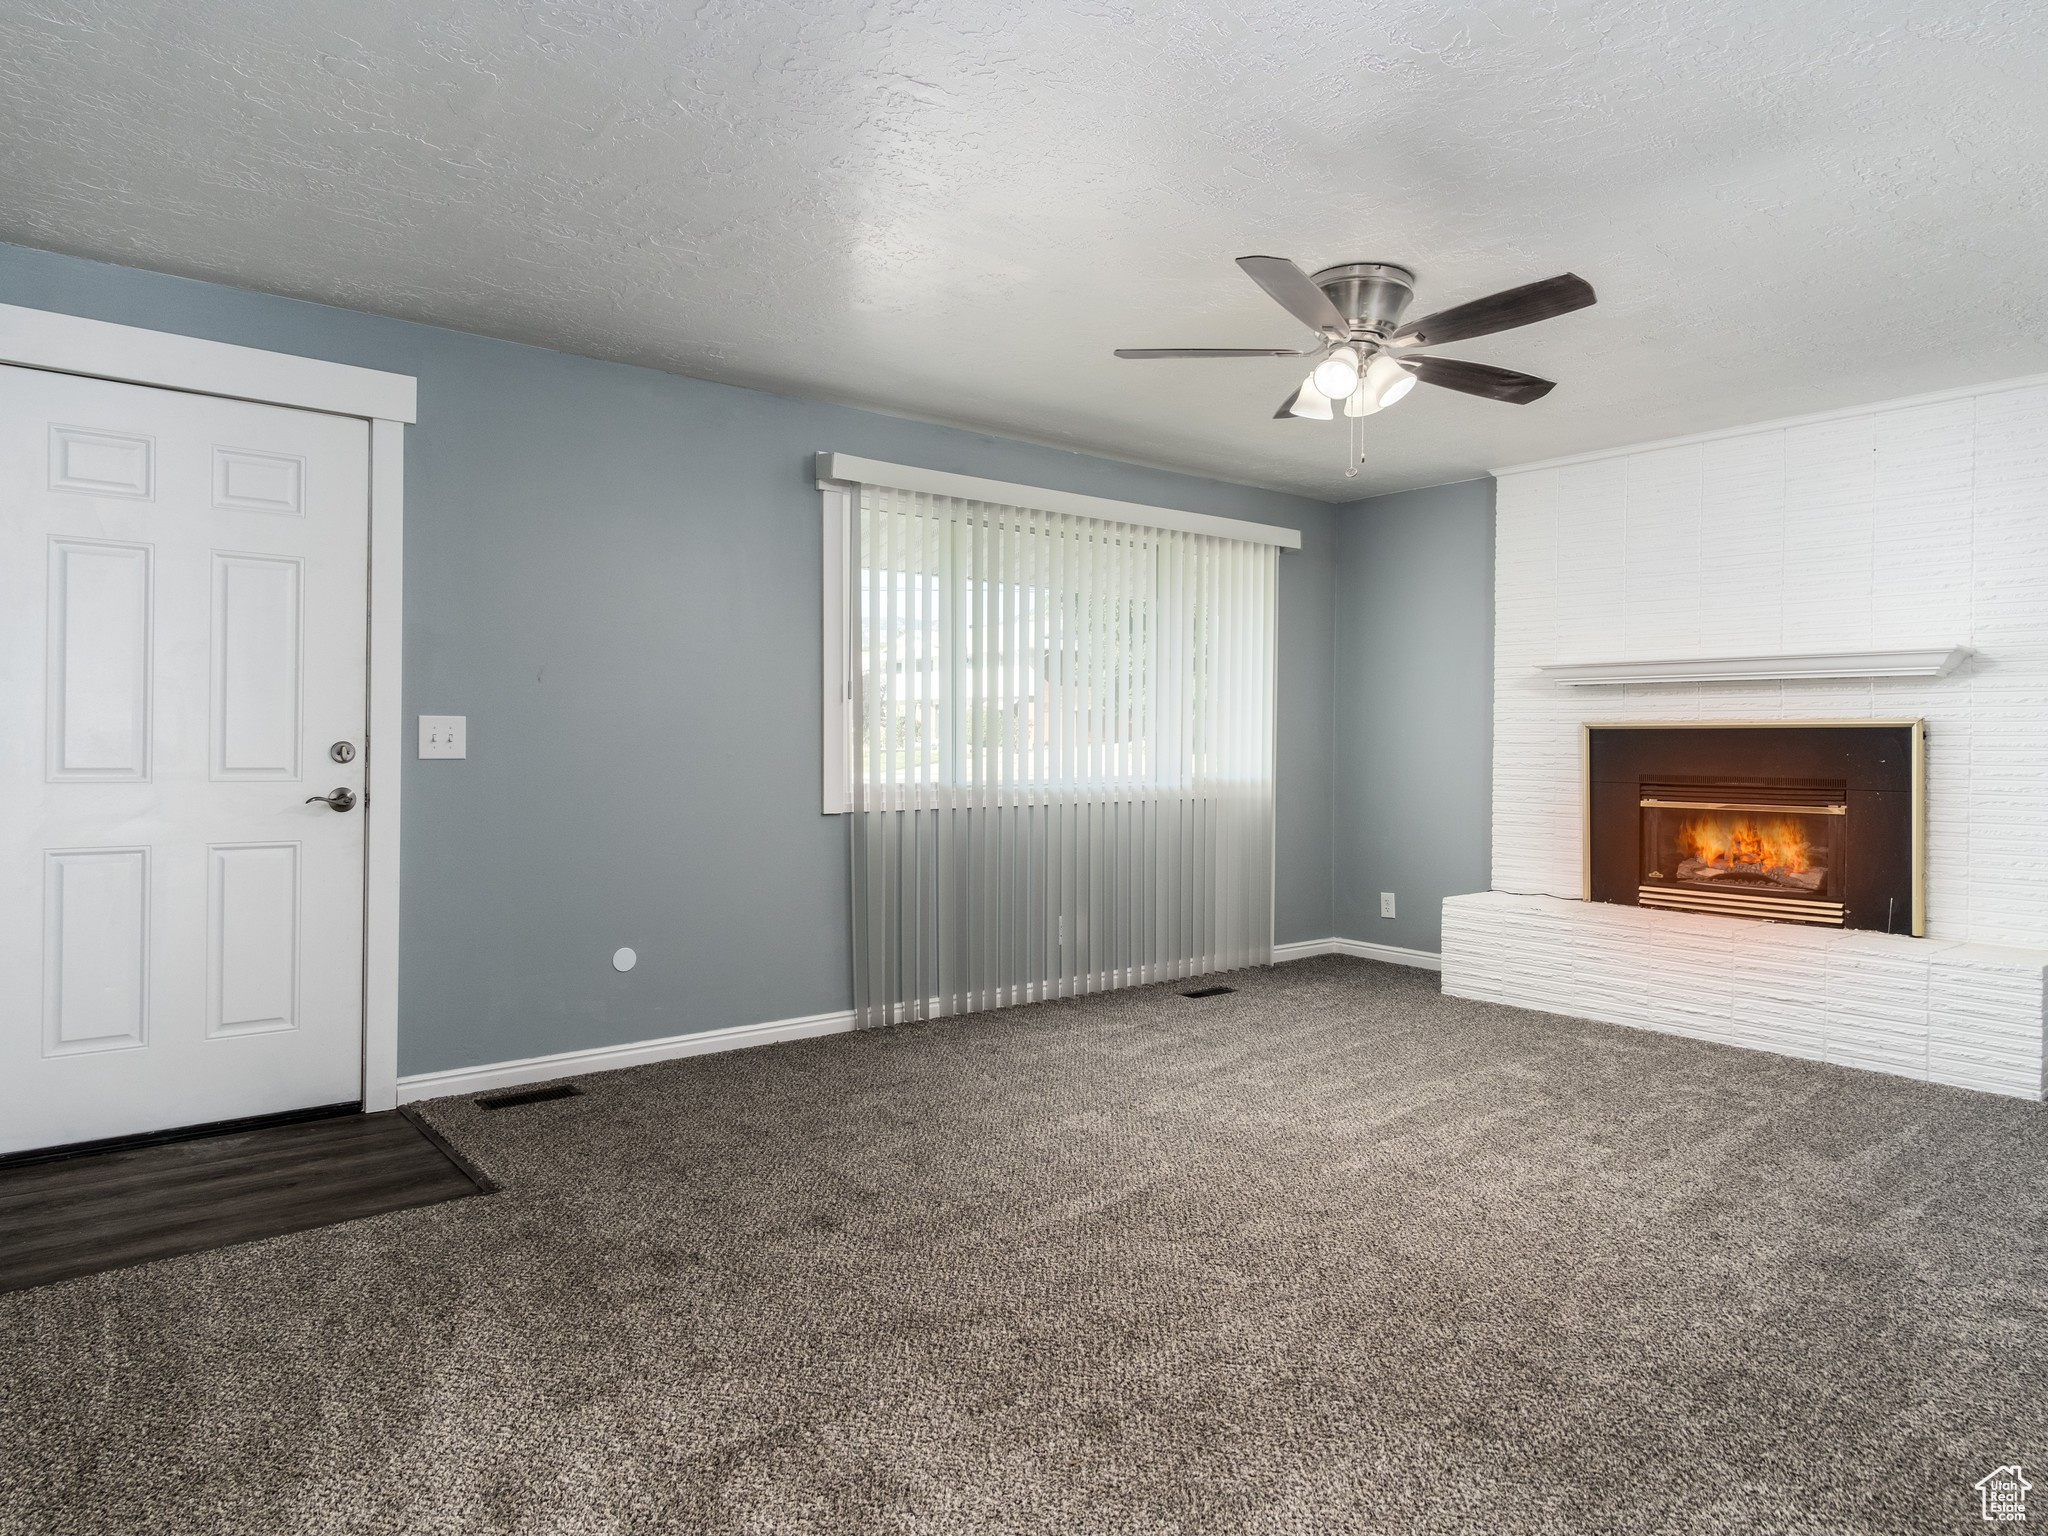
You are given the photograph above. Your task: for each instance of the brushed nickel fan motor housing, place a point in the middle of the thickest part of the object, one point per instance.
(1372, 295)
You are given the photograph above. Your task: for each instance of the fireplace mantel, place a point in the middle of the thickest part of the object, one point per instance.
(1936, 661)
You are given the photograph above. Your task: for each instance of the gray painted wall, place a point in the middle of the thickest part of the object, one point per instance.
(1414, 708)
(613, 573)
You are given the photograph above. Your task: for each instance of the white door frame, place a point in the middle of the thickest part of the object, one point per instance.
(35, 338)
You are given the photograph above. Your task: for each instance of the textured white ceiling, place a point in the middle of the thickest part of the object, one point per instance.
(955, 208)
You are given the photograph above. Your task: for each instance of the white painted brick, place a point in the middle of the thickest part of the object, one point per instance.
(1663, 569)
(1984, 1011)
(1924, 524)
(1831, 463)
(1779, 993)
(1742, 481)
(2012, 438)
(1925, 450)
(1877, 1003)
(1592, 544)
(1964, 1014)
(1921, 566)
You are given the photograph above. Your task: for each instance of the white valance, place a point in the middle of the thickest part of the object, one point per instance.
(846, 469)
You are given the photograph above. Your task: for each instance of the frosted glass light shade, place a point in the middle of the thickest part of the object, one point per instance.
(1336, 376)
(1311, 402)
(1387, 380)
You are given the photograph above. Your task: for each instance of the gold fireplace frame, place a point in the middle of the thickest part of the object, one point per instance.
(1919, 729)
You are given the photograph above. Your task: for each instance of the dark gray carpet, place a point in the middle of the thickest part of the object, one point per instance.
(1333, 1253)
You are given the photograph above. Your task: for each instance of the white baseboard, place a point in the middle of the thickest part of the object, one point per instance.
(1393, 954)
(609, 1058)
(1306, 949)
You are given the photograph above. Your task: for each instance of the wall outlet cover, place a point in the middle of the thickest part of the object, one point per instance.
(444, 735)
(1386, 903)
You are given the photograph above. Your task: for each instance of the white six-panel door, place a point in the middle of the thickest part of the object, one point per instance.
(182, 644)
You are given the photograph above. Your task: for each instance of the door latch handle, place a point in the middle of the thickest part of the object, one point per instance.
(341, 800)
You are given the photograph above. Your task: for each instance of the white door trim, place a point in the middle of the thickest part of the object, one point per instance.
(384, 761)
(37, 338)
(34, 338)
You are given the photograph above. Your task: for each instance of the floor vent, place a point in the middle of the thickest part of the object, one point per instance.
(1208, 992)
(530, 1096)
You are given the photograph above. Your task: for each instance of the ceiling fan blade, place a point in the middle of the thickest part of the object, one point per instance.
(1479, 379)
(1209, 352)
(1295, 291)
(1497, 312)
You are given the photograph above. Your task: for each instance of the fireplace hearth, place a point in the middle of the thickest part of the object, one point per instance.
(1815, 823)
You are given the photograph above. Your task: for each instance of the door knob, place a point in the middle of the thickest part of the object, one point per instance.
(343, 799)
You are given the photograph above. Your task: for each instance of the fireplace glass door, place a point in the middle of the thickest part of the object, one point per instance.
(1750, 850)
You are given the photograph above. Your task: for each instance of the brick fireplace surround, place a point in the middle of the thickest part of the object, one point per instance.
(1922, 523)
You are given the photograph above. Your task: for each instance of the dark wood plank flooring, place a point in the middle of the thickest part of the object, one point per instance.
(108, 1210)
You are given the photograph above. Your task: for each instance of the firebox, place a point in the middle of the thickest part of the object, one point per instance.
(1816, 822)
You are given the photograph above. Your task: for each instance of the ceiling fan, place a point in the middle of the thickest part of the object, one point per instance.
(1367, 359)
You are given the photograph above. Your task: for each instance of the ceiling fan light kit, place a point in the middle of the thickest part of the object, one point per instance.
(1308, 401)
(1367, 358)
(1387, 380)
(1336, 376)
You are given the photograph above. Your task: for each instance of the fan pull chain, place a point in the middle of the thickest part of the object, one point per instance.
(1357, 454)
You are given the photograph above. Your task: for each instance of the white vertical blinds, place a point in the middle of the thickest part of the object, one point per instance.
(1063, 754)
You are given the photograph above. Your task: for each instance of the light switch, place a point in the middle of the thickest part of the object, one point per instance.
(444, 735)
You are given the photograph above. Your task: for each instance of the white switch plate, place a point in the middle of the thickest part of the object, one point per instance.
(444, 735)
(1386, 903)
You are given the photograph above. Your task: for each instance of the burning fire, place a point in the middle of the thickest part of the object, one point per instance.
(1772, 846)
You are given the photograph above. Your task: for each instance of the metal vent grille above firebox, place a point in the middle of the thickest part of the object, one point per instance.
(1811, 822)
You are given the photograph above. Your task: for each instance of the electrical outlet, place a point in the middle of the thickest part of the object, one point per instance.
(1386, 903)
(444, 735)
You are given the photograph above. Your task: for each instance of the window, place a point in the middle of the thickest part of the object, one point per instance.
(1053, 726)
(978, 646)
